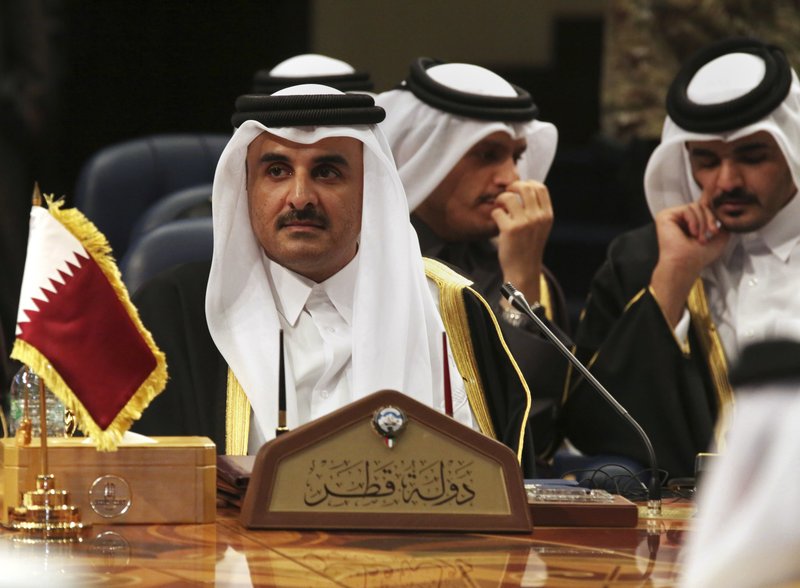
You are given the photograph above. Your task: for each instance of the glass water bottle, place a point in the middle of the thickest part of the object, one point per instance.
(26, 380)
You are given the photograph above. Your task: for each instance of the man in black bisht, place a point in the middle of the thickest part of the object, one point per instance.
(719, 269)
(472, 155)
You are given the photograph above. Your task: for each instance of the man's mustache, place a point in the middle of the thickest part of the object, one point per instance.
(484, 198)
(735, 196)
(308, 214)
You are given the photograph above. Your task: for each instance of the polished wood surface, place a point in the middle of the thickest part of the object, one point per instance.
(226, 554)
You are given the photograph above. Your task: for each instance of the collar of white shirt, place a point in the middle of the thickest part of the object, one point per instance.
(293, 290)
(780, 235)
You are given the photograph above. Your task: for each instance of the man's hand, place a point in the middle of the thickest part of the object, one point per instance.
(524, 217)
(689, 239)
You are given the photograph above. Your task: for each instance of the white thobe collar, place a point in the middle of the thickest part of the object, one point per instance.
(780, 235)
(292, 291)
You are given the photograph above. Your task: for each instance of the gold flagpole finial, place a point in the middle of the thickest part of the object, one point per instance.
(37, 194)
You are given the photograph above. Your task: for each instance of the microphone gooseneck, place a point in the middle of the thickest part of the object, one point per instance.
(282, 428)
(518, 301)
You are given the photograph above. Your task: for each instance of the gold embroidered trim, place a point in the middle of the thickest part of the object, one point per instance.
(635, 299)
(545, 297)
(631, 302)
(528, 400)
(568, 377)
(714, 353)
(454, 317)
(237, 417)
(684, 346)
(593, 359)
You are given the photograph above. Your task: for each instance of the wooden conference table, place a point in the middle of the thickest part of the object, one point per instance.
(227, 554)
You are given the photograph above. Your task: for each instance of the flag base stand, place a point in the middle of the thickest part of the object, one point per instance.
(46, 513)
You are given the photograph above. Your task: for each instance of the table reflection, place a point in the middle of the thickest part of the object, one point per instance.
(227, 554)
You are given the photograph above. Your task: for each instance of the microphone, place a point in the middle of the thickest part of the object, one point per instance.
(517, 300)
(281, 428)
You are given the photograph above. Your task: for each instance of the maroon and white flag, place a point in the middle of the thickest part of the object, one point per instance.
(78, 330)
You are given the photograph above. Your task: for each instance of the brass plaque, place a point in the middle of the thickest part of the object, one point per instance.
(348, 471)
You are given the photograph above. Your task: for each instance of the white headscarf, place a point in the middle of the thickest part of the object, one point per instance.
(311, 64)
(428, 142)
(396, 326)
(668, 178)
(746, 531)
(312, 68)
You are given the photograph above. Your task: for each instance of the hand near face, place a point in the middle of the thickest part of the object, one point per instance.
(689, 239)
(524, 217)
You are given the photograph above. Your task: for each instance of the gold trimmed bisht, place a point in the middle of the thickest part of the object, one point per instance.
(714, 354)
(712, 350)
(452, 308)
(453, 312)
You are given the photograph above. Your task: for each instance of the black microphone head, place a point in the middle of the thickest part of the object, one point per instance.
(508, 290)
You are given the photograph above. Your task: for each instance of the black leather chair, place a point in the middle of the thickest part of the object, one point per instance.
(194, 202)
(120, 182)
(166, 246)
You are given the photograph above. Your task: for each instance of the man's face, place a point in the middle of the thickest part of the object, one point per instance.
(460, 207)
(745, 182)
(305, 202)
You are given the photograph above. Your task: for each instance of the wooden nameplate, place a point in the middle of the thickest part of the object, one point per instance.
(341, 472)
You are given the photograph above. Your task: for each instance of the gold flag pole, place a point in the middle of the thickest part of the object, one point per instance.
(37, 201)
(43, 427)
(46, 513)
(25, 428)
(37, 194)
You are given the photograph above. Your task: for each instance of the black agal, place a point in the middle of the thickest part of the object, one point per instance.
(748, 108)
(308, 110)
(265, 83)
(517, 108)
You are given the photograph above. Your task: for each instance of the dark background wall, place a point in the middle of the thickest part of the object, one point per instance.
(124, 69)
(127, 69)
(133, 68)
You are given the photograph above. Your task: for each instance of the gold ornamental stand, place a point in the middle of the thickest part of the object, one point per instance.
(46, 513)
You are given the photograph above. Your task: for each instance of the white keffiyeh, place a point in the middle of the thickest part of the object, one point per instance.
(428, 142)
(311, 64)
(668, 177)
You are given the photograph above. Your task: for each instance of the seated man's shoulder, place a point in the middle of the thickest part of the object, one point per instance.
(183, 285)
(635, 245)
(454, 293)
(631, 258)
(444, 275)
(186, 275)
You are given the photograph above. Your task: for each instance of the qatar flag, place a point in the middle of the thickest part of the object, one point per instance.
(79, 331)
